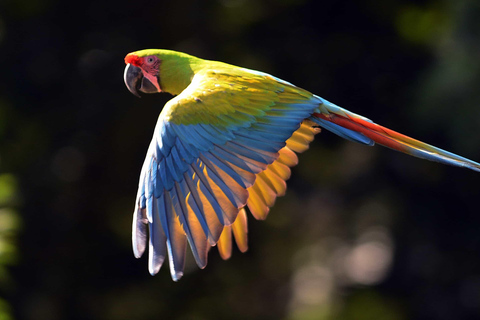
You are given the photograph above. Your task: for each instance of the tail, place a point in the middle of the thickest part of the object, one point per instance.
(360, 129)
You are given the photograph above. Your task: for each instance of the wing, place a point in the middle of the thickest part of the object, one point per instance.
(269, 184)
(210, 144)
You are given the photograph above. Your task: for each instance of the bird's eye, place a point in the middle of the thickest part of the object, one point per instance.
(150, 60)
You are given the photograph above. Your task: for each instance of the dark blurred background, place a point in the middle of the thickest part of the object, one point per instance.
(363, 233)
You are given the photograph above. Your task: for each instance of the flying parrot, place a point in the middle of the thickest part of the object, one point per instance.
(225, 142)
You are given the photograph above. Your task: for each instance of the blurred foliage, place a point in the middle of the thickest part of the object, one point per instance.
(363, 233)
(423, 24)
(10, 223)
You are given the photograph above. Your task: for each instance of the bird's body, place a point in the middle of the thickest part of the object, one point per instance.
(226, 142)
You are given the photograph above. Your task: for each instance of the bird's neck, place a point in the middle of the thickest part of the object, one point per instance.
(176, 74)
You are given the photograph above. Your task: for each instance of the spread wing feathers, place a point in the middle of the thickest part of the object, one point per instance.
(269, 184)
(218, 146)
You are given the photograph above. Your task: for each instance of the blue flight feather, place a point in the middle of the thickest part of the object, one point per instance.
(222, 165)
(248, 165)
(207, 192)
(214, 176)
(157, 242)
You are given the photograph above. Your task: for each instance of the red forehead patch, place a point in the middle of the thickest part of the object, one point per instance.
(133, 59)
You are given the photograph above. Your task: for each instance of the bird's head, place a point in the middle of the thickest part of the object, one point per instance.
(158, 70)
(142, 73)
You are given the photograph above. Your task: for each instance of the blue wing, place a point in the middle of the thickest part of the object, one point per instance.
(209, 144)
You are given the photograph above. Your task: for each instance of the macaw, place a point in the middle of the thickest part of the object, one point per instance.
(225, 142)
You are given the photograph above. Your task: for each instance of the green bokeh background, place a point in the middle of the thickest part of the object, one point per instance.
(363, 233)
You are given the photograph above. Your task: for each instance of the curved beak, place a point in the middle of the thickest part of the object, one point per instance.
(135, 81)
(132, 77)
